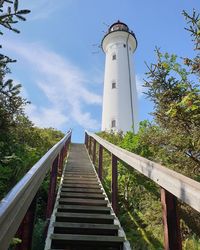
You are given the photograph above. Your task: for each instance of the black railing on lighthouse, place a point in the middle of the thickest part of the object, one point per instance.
(17, 209)
(172, 185)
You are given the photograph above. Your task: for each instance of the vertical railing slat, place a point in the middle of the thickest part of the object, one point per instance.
(52, 188)
(114, 183)
(94, 153)
(100, 161)
(90, 145)
(25, 231)
(172, 234)
(86, 140)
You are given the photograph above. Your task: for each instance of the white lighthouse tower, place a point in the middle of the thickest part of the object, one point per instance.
(119, 96)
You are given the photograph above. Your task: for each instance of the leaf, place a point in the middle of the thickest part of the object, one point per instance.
(15, 241)
(21, 17)
(7, 25)
(8, 83)
(165, 65)
(16, 5)
(16, 87)
(194, 107)
(16, 31)
(9, 10)
(23, 12)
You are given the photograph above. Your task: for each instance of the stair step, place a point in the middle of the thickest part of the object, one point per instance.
(81, 170)
(83, 209)
(80, 182)
(62, 240)
(85, 228)
(84, 217)
(83, 190)
(81, 185)
(80, 177)
(83, 195)
(76, 201)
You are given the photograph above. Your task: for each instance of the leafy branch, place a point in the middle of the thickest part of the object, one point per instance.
(12, 14)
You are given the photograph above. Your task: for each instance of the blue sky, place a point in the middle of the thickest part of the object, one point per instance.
(62, 71)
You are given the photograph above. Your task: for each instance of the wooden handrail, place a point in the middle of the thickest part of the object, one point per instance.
(182, 187)
(172, 184)
(15, 205)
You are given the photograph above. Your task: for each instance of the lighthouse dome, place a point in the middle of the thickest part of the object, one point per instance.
(118, 26)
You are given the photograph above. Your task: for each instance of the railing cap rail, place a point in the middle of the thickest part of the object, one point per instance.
(184, 188)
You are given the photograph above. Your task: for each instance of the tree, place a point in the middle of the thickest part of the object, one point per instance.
(11, 104)
(175, 91)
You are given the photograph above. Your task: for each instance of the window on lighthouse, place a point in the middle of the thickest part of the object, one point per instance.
(114, 57)
(113, 123)
(113, 85)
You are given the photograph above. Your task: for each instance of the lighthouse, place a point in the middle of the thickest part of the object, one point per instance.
(119, 112)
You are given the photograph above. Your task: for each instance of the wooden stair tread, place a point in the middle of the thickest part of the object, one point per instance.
(82, 195)
(82, 208)
(88, 238)
(83, 190)
(80, 176)
(80, 182)
(85, 215)
(85, 225)
(83, 201)
(81, 185)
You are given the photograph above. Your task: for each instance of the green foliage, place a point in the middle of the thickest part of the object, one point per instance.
(21, 143)
(173, 86)
(39, 237)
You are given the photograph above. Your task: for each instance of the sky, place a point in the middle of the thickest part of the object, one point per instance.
(60, 63)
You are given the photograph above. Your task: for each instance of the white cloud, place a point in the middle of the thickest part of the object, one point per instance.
(64, 85)
(45, 117)
(139, 83)
(41, 9)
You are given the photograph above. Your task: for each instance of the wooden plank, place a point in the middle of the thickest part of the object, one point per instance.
(72, 185)
(80, 182)
(172, 234)
(94, 153)
(92, 238)
(84, 209)
(83, 190)
(80, 175)
(85, 225)
(82, 195)
(83, 201)
(100, 162)
(82, 178)
(84, 217)
(114, 188)
(85, 228)
(179, 185)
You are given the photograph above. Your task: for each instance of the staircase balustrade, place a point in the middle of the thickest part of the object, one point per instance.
(172, 185)
(17, 209)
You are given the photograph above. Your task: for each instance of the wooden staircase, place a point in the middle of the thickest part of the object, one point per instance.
(83, 218)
